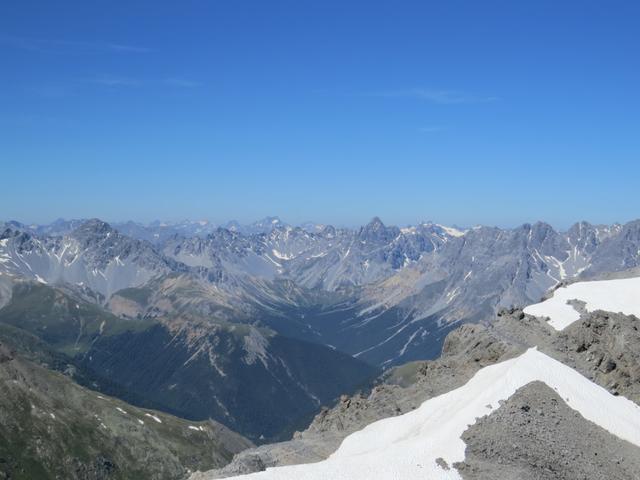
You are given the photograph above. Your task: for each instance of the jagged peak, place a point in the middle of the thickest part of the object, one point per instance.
(375, 223)
(95, 225)
(92, 229)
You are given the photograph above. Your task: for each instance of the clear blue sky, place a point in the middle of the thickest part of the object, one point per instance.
(494, 112)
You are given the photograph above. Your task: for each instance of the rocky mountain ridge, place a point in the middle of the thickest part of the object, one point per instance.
(397, 291)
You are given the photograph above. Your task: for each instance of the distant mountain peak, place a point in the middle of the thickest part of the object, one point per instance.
(375, 223)
(93, 226)
(375, 231)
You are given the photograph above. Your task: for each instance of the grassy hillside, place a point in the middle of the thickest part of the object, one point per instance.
(66, 324)
(51, 427)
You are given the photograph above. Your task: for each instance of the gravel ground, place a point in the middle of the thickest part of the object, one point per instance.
(535, 436)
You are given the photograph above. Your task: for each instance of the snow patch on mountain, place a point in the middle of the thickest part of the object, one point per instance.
(454, 232)
(282, 256)
(621, 295)
(416, 445)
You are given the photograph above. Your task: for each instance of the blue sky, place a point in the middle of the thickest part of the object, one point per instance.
(494, 112)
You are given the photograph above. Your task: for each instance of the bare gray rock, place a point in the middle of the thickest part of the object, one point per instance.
(535, 436)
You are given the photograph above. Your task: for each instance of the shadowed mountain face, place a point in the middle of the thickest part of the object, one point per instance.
(249, 378)
(255, 384)
(53, 428)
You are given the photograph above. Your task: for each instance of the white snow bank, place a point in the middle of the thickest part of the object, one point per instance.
(154, 417)
(406, 447)
(621, 295)
(282, 256)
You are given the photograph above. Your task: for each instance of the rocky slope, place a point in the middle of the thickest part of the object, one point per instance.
(466, 350)
(602, 346)
(535, 435)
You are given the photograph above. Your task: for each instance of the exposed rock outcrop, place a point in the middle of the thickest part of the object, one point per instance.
(535, 436)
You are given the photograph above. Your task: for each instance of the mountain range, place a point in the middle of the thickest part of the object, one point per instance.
(383, 294)
(257, 327)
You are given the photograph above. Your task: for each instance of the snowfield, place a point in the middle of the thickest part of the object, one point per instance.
(611, 295)
(406, 447)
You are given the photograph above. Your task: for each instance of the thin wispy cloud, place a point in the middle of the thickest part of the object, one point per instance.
(78, 86)
(430, 129)
(120, 81)
(52, 91)
(182, 83)
(441, 97)
(127, 48)
(62, 47)
(115, 81)
(32, 120)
